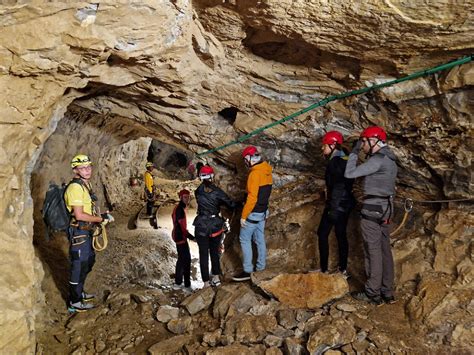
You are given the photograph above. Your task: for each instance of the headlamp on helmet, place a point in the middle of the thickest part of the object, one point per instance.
(80, 160)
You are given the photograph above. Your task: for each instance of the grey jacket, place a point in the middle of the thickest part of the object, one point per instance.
(380, 172)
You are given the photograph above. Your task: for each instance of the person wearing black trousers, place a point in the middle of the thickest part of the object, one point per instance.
(209, 224)
(339, 202)
(180, 236)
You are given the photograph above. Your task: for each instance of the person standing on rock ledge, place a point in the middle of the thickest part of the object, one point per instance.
(380, 173)
(180, 236)
(209, 225)
(81, 203)
(255, 212)
(339, 202)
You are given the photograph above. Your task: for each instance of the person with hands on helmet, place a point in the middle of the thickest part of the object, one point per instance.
(150, 189)
(255, 212)
(81, 203)
(209, 224)
(180, 236)
(380, 173)
(339, 201)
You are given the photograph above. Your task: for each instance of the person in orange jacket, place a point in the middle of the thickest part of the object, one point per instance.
(255, 212)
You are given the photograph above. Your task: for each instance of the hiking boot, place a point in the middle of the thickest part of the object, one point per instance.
(363, 296)
(389, 299)
(87, 297)
(80, 307)
(243, 276)
(215, 281)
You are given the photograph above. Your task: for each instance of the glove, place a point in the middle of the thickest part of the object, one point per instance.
(107, 218)
(191, 237)
(243, 223)
(356, 146)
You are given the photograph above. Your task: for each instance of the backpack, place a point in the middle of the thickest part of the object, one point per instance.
(55, 214)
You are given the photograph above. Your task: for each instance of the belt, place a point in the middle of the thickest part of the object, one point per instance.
(252, 221)
(370, 207)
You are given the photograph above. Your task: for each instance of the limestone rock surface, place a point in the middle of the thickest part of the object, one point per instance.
(310, 290)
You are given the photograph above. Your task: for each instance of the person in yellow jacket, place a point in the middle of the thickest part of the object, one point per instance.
(80, 201)
(255, 212)
(149, 188)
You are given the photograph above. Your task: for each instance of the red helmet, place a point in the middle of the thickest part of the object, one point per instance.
(183, 192)
(333, 137)
(374, 132)
(206, 170)
(250, 150)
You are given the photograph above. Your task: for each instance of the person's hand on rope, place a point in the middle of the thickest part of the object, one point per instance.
(107, 218)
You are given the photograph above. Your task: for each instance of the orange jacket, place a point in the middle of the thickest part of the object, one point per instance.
(259, 188)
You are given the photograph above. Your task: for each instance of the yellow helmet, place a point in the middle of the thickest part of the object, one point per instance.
(149, 164)
(80, 160)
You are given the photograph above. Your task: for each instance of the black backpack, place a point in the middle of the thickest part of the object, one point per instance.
(56, 216)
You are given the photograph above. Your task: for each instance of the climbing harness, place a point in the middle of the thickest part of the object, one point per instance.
(340, 96)
(408, 207)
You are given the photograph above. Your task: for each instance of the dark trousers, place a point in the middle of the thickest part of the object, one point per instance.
(149, 207)
(339, 221)
(378, 258)
(208, 245)
(183, 265)
(82, 259)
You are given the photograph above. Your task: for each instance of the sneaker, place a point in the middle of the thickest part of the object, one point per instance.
(188, 289)
(87, 297)
(243, 276)
(362, 296)
(177, 287)
(80, 307)
(389, 299)
(215, 281)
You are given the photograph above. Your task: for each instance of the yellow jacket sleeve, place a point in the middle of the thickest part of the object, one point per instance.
(149, 182)
(252, 194)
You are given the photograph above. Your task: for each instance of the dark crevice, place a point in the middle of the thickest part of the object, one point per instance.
(229, 114)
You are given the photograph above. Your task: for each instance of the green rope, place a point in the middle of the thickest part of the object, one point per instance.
(343, 95)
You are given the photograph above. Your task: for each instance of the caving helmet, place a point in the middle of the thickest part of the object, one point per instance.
(80, 160)
(251, 156)
(333, 137)
(184, 192)
(149, 165)
(374, 132)
(206, 172)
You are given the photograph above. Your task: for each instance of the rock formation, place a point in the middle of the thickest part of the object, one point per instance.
(106, 78)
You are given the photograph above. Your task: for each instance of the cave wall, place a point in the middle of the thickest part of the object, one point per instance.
(169, 67)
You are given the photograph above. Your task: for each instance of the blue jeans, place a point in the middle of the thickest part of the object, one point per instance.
(254, 232)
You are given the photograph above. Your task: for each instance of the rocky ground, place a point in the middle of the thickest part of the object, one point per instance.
(137, 311)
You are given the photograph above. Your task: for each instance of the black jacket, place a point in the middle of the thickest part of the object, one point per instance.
(209, 199)
(339, 188)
